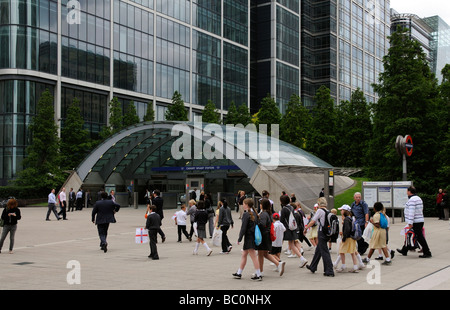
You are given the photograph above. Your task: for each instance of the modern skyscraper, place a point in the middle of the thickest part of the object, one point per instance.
(139, 51)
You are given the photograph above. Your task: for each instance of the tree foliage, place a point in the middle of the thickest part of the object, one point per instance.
(295, 123)
(130, 117)
(354, 131)
(75, 140)
(115, 119)
(407, 106)
(150, 113)
(322, 140)
(42, 162)
(268, 113)
(176, 111)
(210, 113)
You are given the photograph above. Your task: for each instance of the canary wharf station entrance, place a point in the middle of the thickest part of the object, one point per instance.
(178, 158)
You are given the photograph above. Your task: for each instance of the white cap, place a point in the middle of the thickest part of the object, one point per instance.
(345, 207)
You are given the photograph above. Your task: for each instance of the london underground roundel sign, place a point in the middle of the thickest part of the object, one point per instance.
(408, 145)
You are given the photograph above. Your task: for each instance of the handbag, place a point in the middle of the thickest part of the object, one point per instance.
(2, 222)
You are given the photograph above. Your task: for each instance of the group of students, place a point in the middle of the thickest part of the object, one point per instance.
(294, 237)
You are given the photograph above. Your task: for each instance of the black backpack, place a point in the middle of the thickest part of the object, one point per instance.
(331, 226)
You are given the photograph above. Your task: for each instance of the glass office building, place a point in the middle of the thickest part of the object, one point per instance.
(298, 46)
(139, 51)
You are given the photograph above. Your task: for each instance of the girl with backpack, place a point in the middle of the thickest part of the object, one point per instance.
(348, 244)
(378, 240)
(265, 222)
(249, 220)
(290, 235)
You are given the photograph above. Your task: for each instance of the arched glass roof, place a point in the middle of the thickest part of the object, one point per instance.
(147, 147)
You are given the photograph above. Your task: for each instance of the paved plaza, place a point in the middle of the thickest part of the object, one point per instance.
(65, 255)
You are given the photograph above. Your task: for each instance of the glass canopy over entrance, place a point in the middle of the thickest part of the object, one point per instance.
(149, 148)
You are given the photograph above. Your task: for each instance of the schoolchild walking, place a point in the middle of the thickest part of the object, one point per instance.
(224, 222)
(201, 218)
(249, 221)
(191, 212)
(180, 221)
(290, 235)
(265, 223)
(279, 233)
(348, 245)
(378, 239)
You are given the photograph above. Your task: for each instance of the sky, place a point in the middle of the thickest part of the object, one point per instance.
(424, 8)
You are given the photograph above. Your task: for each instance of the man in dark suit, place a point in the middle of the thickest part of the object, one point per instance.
(103, 214)
(158, 202)
(153, 225)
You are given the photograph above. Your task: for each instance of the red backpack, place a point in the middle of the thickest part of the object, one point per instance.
(273, 236)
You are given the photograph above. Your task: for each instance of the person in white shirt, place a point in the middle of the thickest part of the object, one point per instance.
(180, 221)
(415, 220)
(63, 203)
(52, 205)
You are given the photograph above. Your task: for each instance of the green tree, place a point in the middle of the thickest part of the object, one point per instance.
(243, 115)
(295, 123)
(176, 111)
(268, 113)
(354, 129)
(130, 117)
(232, 115)
(407, 104)
(150, 113)
(75, 141)
(210, 113)
(322, 140)
(115, 119)
(42, 163)
(444, 128)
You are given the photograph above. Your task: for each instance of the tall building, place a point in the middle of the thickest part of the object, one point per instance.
(341, 44)
(139, 51)
(433, 34)
(439, 45)
(142, 51)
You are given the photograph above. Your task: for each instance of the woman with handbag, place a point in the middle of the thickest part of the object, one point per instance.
(10, 216)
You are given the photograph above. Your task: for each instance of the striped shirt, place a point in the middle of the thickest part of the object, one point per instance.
(414, 210)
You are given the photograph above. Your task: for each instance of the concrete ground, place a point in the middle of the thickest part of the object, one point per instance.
(65, 255)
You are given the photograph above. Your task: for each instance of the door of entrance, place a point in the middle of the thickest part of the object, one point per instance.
(194, 184)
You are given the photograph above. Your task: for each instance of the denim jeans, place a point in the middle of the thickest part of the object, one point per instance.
(11, 229)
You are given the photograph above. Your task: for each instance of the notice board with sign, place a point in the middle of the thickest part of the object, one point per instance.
(391, 194)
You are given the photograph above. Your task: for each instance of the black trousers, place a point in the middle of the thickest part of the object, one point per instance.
(152, 235)
(225, 242)
(63, 209)
(323, 253)
(103, 232)
(182, 229)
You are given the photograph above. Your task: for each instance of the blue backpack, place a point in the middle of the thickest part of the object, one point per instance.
(383, 221)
